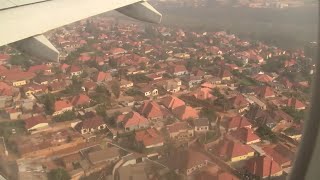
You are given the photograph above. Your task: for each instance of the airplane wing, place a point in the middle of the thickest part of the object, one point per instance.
(24, 21)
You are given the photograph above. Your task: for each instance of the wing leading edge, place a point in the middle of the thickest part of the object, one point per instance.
(25, 24)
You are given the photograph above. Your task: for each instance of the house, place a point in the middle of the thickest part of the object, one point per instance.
(225, 75)
(265, 92)
(149, 138)
(64, 67)
(75, 70)
(204, 94)
(36, 122)
(57, 86)
(281, 116)
(294, 132)
(132, 121)
(236, 122)
(245, 135)
(91, 125)
(45, 80)
(125, 83)
(152, 110)
(254, 100)
(263, 78)
(40, 68)
(172, 102)
(239, 102)
(108, 155)
(192, 81)
(148, 90)
(180, 131)
(154, 76)
(62, 106)
(263, 167)
(201, 125)
(178, 70)
(280, 154)
(14, 114)
(172, 85)
(17, 77)
(102, 77)
(80, 100)
(234, 151)
(294, 103)
(117, 51)
(33, 89)
(188, 161)
(185, 112)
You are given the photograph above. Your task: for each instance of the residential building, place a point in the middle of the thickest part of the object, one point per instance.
(236, 122)
(91, 125)
(36, 122)
(108, 155)
(149, 138)
(234, 151)
(201, 125)
(185, 112)
(152, 110)
(204, 94)
(75, 70)
(172, 102)
(61, 106)
(245, 135)
(180, 131)
(263, 167)
(132, 121)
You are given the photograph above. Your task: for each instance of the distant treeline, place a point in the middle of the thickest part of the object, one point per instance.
(287, 28)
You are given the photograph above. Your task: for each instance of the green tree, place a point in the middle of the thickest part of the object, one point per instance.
(115, 88)
(58, 174)
(49, 101)
(20, 60)
(101, 111)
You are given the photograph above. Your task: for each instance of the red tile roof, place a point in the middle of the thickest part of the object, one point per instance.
(4, 57)
(263, 166)
(61, 104)
(237, 122)
(94, 123)
(132, 119)
(5, 89)
(178, 68)
(265, 91)
(75, 68)
(148, 137)
(38, 68)
(33, 121)
(239, 101)
(225, 74)
(102, 76)
(295, 103)
(204, 93)
(282, 155)
(151, 109)
(230, 149)
(245, 135)
(17, 75)
(185, 112)
(178, 126)
(263, 78)
(116, 51)
(172, 102)
(80, 99)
